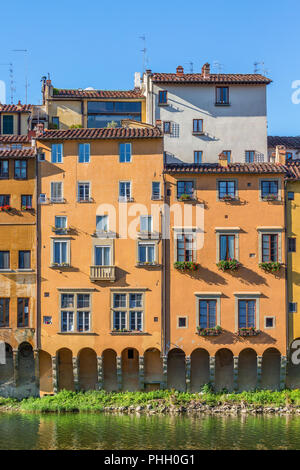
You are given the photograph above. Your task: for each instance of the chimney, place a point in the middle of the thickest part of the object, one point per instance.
(179, 71)
(280, 154)
(223, 160)
(39, 129)
(205, 72)
(158, 123)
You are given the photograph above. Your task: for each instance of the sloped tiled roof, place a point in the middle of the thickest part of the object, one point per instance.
(18, 153)
(14, 108)
(293, 170)
(213, 168)
(102, 133)
(63, 93)
(14, 139)
(289, 142)
(226, 79)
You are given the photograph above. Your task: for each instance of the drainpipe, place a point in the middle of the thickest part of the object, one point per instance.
(286, 268)
(38, 256)
(163, 286)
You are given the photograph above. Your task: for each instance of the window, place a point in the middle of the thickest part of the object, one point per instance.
(24, 259)
(128, 311)
(102, 255)
(4, 169)
(57, 153)
(42, 198)
(269, 322)
(227, 247)
(146, 253)
(198, 156)
(250, 156)
(162, 97)
(185, 247)
(125, 153)
(4, 260)
(185, 187)
(197, 126)
(23, 312)
(8, 124)
(155, 190)
(84, 153)
(4, 200)
(4, 312)
(291, 244)
(102, 223)
(146, 223)
(60, 252)
(60, 223)
(47, 320)
(227, 189)
(293, 307)
(182, 322)
(269, 248)
(21, 169)
(26, 202)
(269, 188)
(124, 191)
(102, 113)
(57, 192)
(83, 192)
(291, 195)
(75, 305)
(289, 156)
(227, 153)
(247, 309)
(55, 122)
(167, 127)
(207, 313)
(222, 95)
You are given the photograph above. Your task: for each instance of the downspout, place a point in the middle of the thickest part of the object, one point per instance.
(286, 269)
(38, 257)
(163, 294)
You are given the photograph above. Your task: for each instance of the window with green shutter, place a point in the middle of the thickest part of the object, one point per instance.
(8, 124)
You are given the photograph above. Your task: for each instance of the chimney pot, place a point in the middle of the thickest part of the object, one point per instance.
(206, 70)
(280, 154)
(179, 70)
(223, 160)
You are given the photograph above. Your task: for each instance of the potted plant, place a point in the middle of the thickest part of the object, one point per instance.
(270, 266)
(271, 197)
(5, 208)
(185, 197)
(230, 264)
(186, 265)
(214, 331)
(228, 197)
(249, 331)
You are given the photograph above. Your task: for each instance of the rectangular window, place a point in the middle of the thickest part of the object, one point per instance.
(57, 192)
(55, 122)
(167, 127)
(83, 192)
(227, 247)
(24, 259)
(198, 156)
(227, 153)
(269, 248)
(79, 305)
(291, 196)
(197, 126)
(222, 95)
(146, 253)
(83, 321)
(155, 190)
(135, 321)
(67, 300)
(292, 245)
(57, 153)
(23, 312)
(119, 320)
(247, 310)
(67, 321)
(4, 312)
(26, 202)
(4, 200)
(4, 260)
(21, 169)
(119, 300)
(102, 223)
(269, 188)
(288, 156)
(293, 307)
(124, 190)
(60, 252)
(182, 322)
(185, 247)
(125, 153)
(4, 166)
(146, 223)
(185, 188)
(84, 153)
(128, 311)
(60, 223)
(250, 156)
(8, 124)
(162, 97)
(227, 189)
(207, 313)
(102, 255)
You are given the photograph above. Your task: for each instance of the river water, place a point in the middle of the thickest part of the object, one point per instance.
(111, 432)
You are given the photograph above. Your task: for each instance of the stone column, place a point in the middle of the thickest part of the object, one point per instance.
(99, 373)
(54, 374)
(37, 368)
(188, 373)
(141, 373)
(283, 362)
(16, 366)
(235, 372)
(119, 372)
(212, 368)
(164, 384)
(75, 373)
(258, 371)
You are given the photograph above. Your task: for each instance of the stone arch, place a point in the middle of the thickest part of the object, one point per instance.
(130, 369)
(26, 384)
(293, 370)
(87, 369)
(270, 372)
(153, 369)
(65, 369)
(199, 369)
(247, 369)
(224, 370)
(109, 365)
(176, 369)
(45, 363)
(7, 385)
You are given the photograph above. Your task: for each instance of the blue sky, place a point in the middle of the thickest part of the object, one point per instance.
(96, 43)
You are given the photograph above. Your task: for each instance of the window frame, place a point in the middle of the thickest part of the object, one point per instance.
(25, 318)
(75, 310)
(4, 312)
(248, 153)
(196, 152)
(163, 93)
(269, 181)
(292, 244)
(59, 156)
(125, 198)
(86, 155)
(167, 127)
(126, 309)
(19, 259)
(84, 184)
(222, 102)
(7, 268)
(247, 296)
(196, 128)
(57, 199)
(270, 231)
(66, 263)
(185, 182)
(20, 169)
(153, 197)
(248, 325)
(4, 176)
(27, 206)
(227, 231)
(227, 181)
(127, 154)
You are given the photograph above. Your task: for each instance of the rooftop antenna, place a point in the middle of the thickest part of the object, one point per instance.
(191, 64)
(260, 66)
(26, 70)
(144, 50)
(217, 66)
(11, 80)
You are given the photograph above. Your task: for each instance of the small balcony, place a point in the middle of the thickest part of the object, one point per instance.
(102, 273)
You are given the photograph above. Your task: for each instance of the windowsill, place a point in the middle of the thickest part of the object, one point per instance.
(148, 235)
(90, 333)
(62, 201)
(85, 201)
(5, 328)
(4, 177)
(222, 104)
(25, 270)
(190, 199)
(60, 266)
(130, 199)
(22, 179)
(7, 271)
(163, 104)
(25, 328)
(228, 199)
(156, 198)
(266, 199)
(198, 133)
(104, 234)
(129, 333)
(147, 265)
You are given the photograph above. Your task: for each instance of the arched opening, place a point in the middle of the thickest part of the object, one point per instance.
(270, 373)
(65, 369)
(247, 372)
(109, 366)
(46, 384)
(199, 369)
(26, 385)
(176, 370)
(153, 369)
(224, 370)
(130, 369)
(88, 376)
(7, 373)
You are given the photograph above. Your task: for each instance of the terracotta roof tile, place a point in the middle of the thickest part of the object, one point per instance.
(222, 79)
(18, 153)
(14, 139)
(213, 168)
(63, 93)
(293, 170)
(289, 142)
(102, 133)
(15, 108)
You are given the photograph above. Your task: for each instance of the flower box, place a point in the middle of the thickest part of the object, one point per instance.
(271, 266)
(270, 197)
(26, 208)
(248, 331)
(230, 264)
(6, 208)
(185, 197)
(215, 331)
(186, 266)
(228, 198)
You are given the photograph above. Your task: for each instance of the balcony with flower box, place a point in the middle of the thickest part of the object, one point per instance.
(249, 331)
(214, 331)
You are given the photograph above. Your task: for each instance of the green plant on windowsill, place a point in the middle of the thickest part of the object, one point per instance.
(76, 126)
(215, 331)
(270, 266)
(228, 197)
(186, 266)
(270, 197)
(250, 331)
(230, 264)
(185, 197)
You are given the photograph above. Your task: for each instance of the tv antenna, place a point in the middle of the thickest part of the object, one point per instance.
(144, 51)
(26, 70)
(260, 66)
(11, 80)
(217, 66)
(191, 64)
